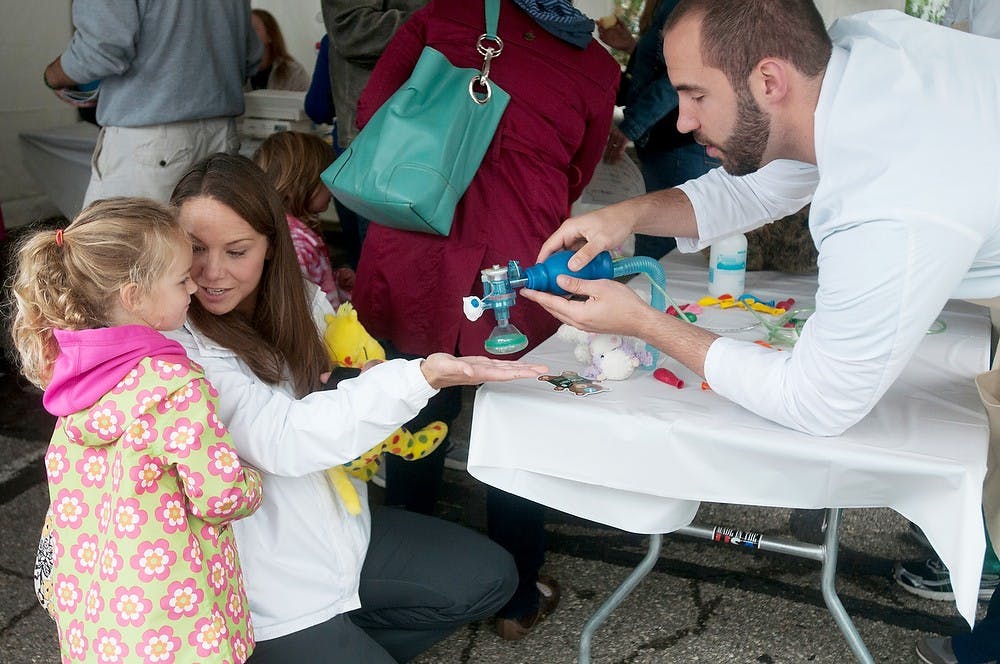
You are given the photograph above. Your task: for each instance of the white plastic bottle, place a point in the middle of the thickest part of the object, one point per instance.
(727, 266)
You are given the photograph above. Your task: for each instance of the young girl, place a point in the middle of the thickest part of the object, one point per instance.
(137, 560)
(293, 162)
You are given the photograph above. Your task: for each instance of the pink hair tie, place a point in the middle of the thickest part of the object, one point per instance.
(59, 237)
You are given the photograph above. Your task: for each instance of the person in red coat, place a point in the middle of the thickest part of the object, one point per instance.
(410, 286)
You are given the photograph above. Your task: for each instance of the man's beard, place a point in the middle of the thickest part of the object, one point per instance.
(743, 152)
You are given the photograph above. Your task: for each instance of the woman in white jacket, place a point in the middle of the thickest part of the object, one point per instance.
(323, 585)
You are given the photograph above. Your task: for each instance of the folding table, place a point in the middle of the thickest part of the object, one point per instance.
(642, 456)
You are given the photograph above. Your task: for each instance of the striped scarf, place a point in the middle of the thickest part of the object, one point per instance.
(560, 18)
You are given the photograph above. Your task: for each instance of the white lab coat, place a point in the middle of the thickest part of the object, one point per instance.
(302, 551)
(905, 214)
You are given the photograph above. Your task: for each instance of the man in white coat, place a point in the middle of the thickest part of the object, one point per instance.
(887, 125)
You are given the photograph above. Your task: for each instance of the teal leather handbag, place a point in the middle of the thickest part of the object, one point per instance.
(411, 164)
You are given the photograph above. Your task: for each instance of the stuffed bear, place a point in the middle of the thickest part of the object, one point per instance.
(607, 356)
(349, 345)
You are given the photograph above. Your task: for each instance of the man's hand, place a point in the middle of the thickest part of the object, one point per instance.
(589, 234)
(63, 95)
(60, 83)
(614, 308)
(443, 370)
(667, 212)
(610, 308)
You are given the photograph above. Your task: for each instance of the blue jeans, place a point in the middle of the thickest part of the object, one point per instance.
(662, 169)
(982, 644)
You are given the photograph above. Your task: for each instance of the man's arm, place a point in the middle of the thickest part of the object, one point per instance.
(55, 76)
(360, 29)
(881, 285)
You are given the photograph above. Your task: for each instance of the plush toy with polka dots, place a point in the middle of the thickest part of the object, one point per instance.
(349, 345)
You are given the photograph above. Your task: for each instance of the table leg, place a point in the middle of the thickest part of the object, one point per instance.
(616, 598)
(825, 553)
(831, 544)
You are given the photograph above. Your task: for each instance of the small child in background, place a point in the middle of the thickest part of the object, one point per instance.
(293, 162)
(137, 560)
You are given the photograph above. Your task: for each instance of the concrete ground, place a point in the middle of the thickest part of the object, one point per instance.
(702, 603)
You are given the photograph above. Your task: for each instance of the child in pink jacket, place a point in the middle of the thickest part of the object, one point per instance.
(137, 560)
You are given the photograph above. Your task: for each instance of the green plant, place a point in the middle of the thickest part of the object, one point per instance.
(928, 10)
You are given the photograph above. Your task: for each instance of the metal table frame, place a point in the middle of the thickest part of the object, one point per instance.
(825, 553)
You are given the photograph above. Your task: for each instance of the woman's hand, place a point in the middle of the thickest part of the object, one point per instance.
(443, 370)
(617, 142)
(616, 36)
(345, 278)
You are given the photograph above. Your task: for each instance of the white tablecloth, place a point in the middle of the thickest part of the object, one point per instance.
(58, 158)
(641, 456)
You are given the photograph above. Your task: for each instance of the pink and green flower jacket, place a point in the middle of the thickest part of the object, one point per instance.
(138, 562)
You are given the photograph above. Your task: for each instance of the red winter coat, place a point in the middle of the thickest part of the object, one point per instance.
(410, 286)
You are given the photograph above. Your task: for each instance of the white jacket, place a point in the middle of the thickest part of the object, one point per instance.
(302, 551)
(905, 214)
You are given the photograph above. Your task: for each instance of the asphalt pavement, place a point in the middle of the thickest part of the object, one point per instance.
(703, 602)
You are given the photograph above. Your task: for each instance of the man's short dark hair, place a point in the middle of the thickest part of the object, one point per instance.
(737, 34)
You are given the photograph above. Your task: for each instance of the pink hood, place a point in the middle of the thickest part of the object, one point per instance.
(92, 362)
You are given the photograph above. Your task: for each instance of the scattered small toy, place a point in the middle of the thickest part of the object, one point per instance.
(669, 377)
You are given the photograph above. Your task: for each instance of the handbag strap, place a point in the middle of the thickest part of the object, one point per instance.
(492, 18)
(489, 45)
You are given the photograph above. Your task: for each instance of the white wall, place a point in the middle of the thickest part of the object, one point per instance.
(32, 34)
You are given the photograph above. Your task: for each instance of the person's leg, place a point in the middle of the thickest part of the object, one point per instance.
(415, 485)
(983, 643)
(423, 578)
(350, 222)
(518, 525)
(336, 641)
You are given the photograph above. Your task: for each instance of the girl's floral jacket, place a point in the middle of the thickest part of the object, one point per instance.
(138, 562)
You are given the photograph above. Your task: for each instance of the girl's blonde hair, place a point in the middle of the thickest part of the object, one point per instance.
(70, 279)
(293, 161)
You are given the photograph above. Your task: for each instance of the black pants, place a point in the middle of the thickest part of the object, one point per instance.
(515, 523)
(423, 578)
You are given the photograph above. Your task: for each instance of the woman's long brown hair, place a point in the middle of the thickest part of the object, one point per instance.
(280, 341)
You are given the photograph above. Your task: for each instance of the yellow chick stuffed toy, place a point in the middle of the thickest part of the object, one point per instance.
(349, 345)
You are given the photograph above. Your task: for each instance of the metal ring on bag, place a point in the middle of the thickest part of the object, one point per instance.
(485, 82)
(483, 49)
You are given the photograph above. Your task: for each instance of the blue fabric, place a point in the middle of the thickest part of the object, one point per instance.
(983, 643)
(667, 158)
(561, 19)
(319, 96)
(649, 95)
(662, 169)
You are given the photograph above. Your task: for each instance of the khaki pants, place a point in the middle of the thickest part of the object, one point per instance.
(988, 384)
(149, 161)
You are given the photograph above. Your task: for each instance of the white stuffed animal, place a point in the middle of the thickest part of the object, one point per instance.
(607, 356)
